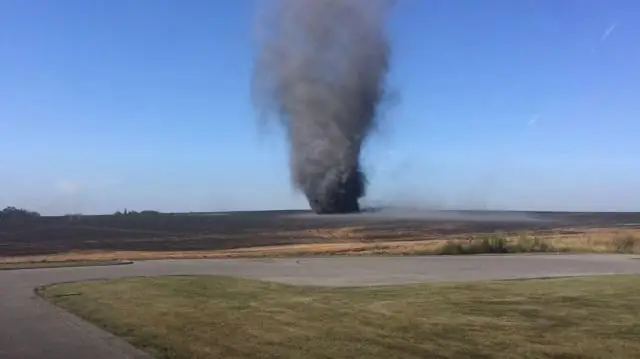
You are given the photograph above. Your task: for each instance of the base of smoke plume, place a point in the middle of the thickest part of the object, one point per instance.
(335, 206)
(338, 194)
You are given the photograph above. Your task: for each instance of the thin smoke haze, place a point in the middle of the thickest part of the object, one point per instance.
(320, 70)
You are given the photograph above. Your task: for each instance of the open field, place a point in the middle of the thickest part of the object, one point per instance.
(291, 233)
(221, 317)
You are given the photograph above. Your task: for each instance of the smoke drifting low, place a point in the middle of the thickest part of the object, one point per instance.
(320, 69)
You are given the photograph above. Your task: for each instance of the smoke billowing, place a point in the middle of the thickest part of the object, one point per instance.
(320, 68)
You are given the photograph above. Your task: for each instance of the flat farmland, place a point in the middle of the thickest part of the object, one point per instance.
(185, 235)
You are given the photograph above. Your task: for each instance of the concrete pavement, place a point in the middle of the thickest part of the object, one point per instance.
(30, 328)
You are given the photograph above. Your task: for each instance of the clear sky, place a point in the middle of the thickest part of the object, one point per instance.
(107, 104)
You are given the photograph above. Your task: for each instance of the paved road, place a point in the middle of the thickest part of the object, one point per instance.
(32, 329)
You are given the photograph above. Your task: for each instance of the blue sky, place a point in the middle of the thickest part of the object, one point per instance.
(108, 104)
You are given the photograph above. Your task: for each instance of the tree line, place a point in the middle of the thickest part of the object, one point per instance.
(10, 213)
(14, 213)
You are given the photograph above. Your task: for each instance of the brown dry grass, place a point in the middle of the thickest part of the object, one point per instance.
(351, 241)
(59, 264)
(353, 234)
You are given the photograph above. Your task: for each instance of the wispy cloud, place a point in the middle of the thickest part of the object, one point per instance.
(607, 32)
(533, 120)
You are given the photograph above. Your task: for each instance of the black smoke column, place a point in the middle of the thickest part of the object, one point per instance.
(320, 68)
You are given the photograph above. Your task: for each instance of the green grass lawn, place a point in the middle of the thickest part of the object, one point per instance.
(221, 317)
(34, 265)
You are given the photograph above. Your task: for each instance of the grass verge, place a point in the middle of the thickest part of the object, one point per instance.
(220, 317)
(58, 264)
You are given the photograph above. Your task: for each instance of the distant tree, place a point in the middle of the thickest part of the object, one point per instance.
(146, 212)
(13, 213)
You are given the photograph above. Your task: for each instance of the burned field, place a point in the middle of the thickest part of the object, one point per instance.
(236, 230)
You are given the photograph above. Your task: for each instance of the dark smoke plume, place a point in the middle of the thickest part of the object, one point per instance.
(320, 68)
